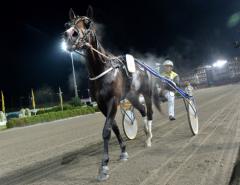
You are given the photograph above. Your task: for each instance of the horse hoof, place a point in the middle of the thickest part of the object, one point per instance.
(103, 173)
(124, 156)
(148, 142)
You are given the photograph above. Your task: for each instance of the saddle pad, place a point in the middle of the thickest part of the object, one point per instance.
(130, 63)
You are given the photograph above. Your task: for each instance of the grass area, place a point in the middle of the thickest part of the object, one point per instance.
(3, 128)
(50, 116)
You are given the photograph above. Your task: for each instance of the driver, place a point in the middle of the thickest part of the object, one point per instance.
(169, 93)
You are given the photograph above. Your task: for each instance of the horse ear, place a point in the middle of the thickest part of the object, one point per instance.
(71, 14)
(90, 12)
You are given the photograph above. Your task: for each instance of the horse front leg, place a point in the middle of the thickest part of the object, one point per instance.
(106, 134)
(124, 154)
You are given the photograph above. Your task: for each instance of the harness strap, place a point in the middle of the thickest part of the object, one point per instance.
(105, 56)
(102, 74)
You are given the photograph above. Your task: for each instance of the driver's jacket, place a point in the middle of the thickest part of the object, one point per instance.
(172, 76)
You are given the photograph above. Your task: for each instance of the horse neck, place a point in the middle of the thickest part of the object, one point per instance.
(95, 62)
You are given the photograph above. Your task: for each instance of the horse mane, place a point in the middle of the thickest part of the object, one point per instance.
(101, 48)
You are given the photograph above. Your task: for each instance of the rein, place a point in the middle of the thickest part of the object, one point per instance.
(105, 56)
(100, 53)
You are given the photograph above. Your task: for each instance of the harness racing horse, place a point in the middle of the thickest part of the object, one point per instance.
(110, 82)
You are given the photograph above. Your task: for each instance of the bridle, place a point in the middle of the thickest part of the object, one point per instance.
(85, 37)
(85, 43)
(86, 33)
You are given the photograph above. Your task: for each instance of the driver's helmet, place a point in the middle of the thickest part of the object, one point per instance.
(168, 63)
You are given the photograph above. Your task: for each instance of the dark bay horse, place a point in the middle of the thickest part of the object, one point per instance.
(110, 82)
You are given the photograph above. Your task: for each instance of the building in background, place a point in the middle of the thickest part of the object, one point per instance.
(221, 73)
(226, 72)
(201, 73)
(234, 68)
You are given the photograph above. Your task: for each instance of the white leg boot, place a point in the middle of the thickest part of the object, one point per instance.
(149, 136)
(145, 125)
(171, 104)
(150, 128)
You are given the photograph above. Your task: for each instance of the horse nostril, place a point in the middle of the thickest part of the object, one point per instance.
(75, 34)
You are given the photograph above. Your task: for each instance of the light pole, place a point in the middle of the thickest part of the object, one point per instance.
(60, 97)
(89, 95)
(74, 77)
(64, 47)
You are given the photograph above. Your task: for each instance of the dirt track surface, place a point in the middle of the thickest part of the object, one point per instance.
(69, 152)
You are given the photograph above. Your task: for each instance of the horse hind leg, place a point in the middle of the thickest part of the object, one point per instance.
(148, 122)
(134, 99)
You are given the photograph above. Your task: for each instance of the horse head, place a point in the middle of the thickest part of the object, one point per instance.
(79, 30)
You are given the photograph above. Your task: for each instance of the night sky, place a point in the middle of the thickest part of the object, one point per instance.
(191, 32)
